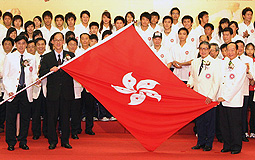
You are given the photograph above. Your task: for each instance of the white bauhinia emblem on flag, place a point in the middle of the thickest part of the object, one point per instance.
(143, 89)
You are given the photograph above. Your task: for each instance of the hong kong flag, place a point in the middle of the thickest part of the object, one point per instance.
(137, 88)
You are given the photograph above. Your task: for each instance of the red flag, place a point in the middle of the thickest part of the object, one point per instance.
(137, 88)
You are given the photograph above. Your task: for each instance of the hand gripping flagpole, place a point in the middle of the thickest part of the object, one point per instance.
(26, 87)
(49, 73)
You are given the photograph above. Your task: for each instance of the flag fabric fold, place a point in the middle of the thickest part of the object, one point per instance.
(137, 88)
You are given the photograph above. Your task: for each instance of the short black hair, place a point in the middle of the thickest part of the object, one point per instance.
(40, 39)
(187, 17)
(236, 24)
(8, 39)
(53, 36)
(206, 43)
(36, 33)
(119, 18)
(106, 32)
(146, 15)
(209, 25)
(71, 39)
(201, 15)
(1, 13)
(10, 30)
(84, 34)
(47, 13)
(228, 29)
(28, 23)
(240, 41)
(9, 14)
(93, 24)
(23, 34)
(70, 15)
(183, 29)
(93, 36)
(68, 34)
(167, 17)
(175, 9)
(223, 46)
(233, 43)
(59, 16)
(155, 14)
(19, 38)
(85, 12)
(246, 9)
(30, 41)
(204, 35)
(216, 46)
(17, 17)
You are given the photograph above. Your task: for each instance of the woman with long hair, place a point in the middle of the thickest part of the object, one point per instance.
(105, 23)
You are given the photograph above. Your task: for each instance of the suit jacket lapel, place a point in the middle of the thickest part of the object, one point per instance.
(53, 58)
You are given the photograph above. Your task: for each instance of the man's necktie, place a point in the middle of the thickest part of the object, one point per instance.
(22, 73)
(201, 67)
(59, 60)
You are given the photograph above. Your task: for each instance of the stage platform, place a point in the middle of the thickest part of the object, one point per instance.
(120, 146)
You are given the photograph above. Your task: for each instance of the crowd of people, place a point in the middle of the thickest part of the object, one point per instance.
(216, 61)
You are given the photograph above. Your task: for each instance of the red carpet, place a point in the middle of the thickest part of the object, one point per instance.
(118, 144)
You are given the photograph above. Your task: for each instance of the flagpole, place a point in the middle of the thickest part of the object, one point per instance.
(49, 73)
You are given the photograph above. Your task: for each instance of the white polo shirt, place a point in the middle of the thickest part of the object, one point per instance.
(146, 35)
(243, 27)
(163, 54)
(193, 38)
(3, 31)
(238, 37)
(176, 27)
(158, 28)
(169, 40)
(48, 33)
(81, 29)
(182, 54)
(200, 30)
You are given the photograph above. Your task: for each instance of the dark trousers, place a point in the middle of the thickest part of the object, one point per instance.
(217, 123)
(206, 128)
(76, 117)
(88, 101)
(2, 112)
(62, 108)
(37, 106)
(103, 112)
(19, 103)
(231, 127)
(252, 108)
(244, 116)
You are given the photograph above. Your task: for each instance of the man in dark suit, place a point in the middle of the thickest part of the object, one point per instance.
(60, 91)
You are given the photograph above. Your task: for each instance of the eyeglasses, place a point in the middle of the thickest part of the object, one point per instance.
(204, 49)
